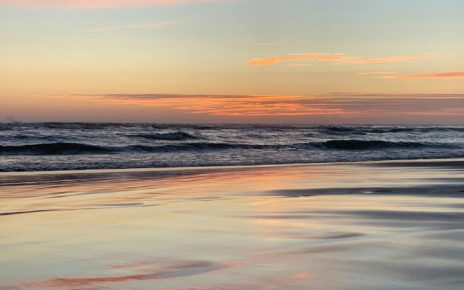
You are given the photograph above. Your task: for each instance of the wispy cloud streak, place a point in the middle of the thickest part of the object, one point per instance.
(336, 58)
(377, 73)
(438, 75)
(102, 3)
(142, 26)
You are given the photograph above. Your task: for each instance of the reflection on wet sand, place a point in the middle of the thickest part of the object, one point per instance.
(348, 226)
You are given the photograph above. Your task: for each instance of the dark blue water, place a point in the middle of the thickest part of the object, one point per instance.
(60, 146)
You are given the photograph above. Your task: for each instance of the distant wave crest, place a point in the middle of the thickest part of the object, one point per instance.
(82, 148)
(52, 149)
(369, 144)
(172, 136)
(363, 130)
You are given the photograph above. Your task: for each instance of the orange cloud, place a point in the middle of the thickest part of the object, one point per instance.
(338, 58)
(336, 105)
(101, 3)
(221, 105)
(439, 75)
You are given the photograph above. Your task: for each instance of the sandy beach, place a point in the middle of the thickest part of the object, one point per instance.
(373, 225)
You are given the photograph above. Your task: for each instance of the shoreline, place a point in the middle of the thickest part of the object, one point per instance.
(455, 162)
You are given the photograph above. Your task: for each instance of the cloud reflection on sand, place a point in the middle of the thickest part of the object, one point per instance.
(347, 226)
(173, 271)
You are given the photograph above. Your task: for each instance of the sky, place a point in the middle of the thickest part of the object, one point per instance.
(232, 61)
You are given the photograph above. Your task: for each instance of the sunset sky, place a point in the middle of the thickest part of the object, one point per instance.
(218, 61)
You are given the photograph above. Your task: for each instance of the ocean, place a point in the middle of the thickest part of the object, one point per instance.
(71, 146)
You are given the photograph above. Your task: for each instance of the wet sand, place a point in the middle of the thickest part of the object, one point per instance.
(380, 225)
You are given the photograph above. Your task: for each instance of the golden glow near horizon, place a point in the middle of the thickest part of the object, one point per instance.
(232, 61)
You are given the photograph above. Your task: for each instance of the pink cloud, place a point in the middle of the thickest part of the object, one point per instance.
(337, 58)
(101, 3)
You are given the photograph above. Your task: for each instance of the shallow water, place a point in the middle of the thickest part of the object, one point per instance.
(347, 226)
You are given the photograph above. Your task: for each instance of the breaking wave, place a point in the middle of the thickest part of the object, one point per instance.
(59, 146)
